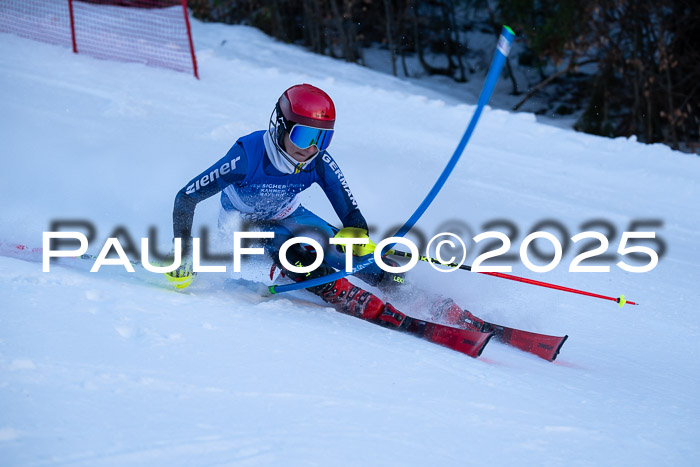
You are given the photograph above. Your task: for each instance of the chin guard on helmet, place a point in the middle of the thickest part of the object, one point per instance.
(278, 127)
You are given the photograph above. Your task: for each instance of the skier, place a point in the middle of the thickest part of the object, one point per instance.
(260, 179)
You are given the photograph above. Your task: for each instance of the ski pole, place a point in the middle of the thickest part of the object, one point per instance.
(620, 300)
(19, 248)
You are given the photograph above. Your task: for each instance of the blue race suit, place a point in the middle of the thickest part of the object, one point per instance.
(250, 184)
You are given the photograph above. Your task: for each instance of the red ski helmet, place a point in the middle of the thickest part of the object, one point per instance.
(306, 114)
(307, 105)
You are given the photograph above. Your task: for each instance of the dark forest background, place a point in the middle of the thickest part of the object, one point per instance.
(626, 67)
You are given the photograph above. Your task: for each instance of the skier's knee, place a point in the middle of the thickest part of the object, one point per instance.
(301, 256)
(390, 281)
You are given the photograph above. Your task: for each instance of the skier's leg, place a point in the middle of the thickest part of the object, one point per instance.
(305, 223)
(342, 293)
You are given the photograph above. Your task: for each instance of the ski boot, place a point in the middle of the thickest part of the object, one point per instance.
(446, 310)
(351, 299)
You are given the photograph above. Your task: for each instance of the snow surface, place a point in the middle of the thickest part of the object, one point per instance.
(115, 368)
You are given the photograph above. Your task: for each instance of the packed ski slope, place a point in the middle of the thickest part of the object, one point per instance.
(112, 368)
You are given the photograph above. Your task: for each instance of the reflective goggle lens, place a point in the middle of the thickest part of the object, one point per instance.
(306, 136)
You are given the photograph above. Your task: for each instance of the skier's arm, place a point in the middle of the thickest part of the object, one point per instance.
(333, 182)
(229, 169)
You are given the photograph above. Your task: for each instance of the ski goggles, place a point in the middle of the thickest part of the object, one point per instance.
(305, 136)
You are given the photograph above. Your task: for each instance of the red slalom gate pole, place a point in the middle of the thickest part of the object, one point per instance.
(72, 26)
(619, 300)
(189, 38)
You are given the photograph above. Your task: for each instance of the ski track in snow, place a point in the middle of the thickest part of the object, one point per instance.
(112, 368)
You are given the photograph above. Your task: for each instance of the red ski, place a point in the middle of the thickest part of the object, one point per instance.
(465, 341)
(542, 345)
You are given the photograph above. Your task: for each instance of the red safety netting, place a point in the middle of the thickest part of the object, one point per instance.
(42, 20)
(153, 32)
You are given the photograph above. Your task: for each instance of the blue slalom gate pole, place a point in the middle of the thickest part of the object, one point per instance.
(499, 59)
